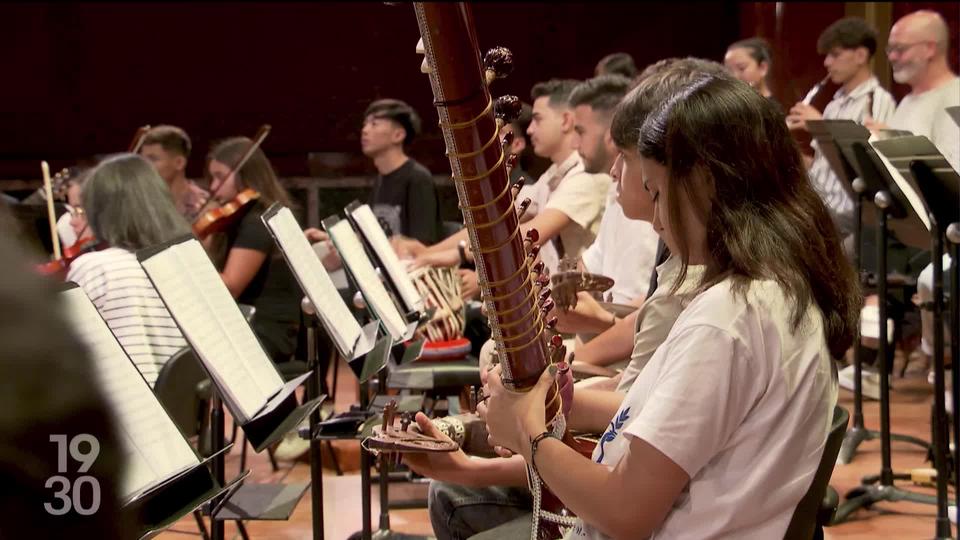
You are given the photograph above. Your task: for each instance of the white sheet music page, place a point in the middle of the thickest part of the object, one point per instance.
(211, 321)
(372, 230)
(351, 251)
(154, 446)
(315, 281)
(914, 198)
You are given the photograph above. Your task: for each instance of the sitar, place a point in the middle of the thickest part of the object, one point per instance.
(513, 288)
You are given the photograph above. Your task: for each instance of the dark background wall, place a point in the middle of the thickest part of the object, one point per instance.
(79, 78)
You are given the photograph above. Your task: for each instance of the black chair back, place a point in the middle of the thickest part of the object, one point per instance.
(179, 389)
(804, 523)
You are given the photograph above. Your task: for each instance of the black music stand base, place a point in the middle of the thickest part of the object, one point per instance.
(867, 496)
(859, 434)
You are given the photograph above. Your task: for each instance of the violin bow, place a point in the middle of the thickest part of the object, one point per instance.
(257, 141)
(138, 139)
(51, 215)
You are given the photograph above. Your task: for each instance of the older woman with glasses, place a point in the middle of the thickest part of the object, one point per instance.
(127, 206)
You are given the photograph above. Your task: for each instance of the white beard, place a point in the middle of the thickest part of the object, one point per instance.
(906, 73)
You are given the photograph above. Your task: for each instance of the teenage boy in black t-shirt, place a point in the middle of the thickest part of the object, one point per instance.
(404, 198)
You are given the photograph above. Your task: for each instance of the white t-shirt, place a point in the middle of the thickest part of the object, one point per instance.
(843, 106)
(742, 403)
(657, 316)
(625, 249)
(125, 297)
(579, 195)
(925, 114)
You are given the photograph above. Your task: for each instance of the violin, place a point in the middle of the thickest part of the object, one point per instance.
(222, 218)
(58, 268)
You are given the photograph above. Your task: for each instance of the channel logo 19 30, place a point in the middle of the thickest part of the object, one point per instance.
(82, 494)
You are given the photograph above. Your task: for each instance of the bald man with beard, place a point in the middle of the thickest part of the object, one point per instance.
(917, 50)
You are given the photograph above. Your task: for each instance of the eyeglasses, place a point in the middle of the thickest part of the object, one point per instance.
(901, 48)
(77, 211)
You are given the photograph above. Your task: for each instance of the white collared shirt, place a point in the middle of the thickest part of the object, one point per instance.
(625, 249)
(852, 106)
(578, 194)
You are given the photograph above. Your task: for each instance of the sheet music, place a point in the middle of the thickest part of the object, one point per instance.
(381, 246)
(315, 281)
(155, 448)
(351, 251)
(914, 198)
(210, 320)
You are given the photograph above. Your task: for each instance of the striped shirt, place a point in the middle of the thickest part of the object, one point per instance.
(852, 106)
(124, 296)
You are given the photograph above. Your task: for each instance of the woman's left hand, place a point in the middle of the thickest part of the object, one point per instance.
(513, 418)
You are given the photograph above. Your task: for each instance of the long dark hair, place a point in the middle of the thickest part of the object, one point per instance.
(764, 221)
(257, 173)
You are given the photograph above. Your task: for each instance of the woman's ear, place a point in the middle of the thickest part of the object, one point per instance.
(764, 68)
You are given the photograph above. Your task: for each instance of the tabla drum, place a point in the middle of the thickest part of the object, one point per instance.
(443, 332)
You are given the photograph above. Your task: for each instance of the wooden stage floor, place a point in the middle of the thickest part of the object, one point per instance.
(910, 410)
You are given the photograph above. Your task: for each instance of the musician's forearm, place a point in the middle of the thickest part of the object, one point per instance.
(449, 242)
(486, 472)
(593, 409)
(611, 346)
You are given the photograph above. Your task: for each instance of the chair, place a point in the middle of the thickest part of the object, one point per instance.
(182, 387)
(817, 506)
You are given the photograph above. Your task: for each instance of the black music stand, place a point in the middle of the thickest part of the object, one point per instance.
(939, 185)
(268, 426)
(406, 355)
(365, 355)
(891, 202)
(953, 236)
(835, 139)
(160, 506)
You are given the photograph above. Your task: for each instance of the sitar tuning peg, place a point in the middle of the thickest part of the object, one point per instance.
(506, 140)
(507, 108)
(522, 209)
(497, 64)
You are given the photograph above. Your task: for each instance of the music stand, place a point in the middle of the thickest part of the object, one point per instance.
(919, 161)
(359, 346)
(240, 370)
(399, 325)
(186, 482)
(953, 235)
(378, 248)
(835, 139)
(894, 198)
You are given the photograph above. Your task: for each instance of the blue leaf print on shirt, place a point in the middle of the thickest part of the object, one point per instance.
(615, 425)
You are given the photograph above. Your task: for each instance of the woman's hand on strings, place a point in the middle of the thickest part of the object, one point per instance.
(514, 417)
(443, 466)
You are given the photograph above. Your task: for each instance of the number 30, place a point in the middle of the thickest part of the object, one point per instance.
(73, 501)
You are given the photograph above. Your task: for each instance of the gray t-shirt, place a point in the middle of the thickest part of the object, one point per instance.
(925, 114)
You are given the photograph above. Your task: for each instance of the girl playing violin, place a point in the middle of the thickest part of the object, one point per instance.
(128, 207)
(252, 267)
